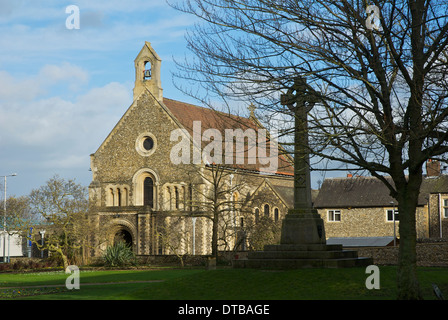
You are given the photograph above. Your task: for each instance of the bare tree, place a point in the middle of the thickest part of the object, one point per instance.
(63, 205)
(378, 70)
(174, 235)
(213, 188)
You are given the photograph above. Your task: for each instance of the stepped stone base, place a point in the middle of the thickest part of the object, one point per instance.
(302, 245)
(291, 256)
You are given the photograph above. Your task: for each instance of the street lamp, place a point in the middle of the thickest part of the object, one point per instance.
(42, 234)
(4, 220)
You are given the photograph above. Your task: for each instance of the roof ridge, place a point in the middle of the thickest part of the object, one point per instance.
(208, 109)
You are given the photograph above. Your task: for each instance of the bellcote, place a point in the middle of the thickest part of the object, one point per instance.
(147, 72)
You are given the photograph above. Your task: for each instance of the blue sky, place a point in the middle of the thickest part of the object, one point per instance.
(63, 90)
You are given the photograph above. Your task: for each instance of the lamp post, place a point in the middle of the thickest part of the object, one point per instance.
(42, 234)
(4, 220)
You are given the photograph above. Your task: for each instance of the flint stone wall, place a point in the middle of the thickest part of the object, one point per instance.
(428, 254)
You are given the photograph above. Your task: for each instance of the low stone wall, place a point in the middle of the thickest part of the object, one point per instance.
(428, 254)
(172, 260)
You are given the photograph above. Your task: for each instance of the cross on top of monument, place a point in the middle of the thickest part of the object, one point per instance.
(300, 98)
(304, 95)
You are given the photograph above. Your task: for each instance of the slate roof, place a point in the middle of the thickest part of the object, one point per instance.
(361, 241)
(186, 113)
(358, 192)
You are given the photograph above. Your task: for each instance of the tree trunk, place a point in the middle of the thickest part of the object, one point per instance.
(64, 258)
(215, 235)
(407, 282)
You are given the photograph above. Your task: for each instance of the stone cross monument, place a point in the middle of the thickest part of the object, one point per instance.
(302, 225)
(302, 242)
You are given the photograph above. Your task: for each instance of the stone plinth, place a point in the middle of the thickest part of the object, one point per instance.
(303, 227)
(302, 256)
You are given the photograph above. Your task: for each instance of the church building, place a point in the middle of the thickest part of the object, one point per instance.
(159, 183)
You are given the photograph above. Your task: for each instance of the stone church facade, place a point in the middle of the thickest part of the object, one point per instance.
(137, 190)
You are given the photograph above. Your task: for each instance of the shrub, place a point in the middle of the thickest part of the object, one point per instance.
(19, 265)
(119, 255)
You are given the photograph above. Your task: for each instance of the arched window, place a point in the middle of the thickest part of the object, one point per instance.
(257, 214)
(276, 215)
(145, 190)
(176, 195)
(184, 198)
(266, 210)
(119, 197)
(124, 196)
(148, 192)
(110, 201)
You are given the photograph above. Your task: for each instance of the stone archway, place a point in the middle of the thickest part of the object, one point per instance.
(122, 230)
(124, 236)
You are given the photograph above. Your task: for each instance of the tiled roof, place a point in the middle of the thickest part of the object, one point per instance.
(358, 192)
(187, 113)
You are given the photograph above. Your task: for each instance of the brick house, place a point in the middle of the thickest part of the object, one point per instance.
(355, 207)
(136, 188)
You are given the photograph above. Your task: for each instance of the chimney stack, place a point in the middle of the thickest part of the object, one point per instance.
(432, 168)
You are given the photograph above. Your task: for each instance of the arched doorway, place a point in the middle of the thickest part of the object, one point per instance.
(123, 235)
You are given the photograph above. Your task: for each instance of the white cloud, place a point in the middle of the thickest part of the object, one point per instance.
(63, 73)
(63, 131)
(62, 91)
(12, 88)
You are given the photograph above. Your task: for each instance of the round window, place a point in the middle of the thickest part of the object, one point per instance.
(146, 144)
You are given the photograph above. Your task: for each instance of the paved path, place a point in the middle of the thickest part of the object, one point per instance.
(83, 284)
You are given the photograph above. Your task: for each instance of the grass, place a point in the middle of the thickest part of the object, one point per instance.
(220, 284)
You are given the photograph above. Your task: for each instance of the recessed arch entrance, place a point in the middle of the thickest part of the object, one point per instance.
(123, 235)
(122, 230)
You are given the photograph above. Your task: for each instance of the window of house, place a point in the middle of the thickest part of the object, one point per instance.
(334, 215)
(390, 215)
(445, 208)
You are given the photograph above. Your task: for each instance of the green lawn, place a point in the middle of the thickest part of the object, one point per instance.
(220, 284)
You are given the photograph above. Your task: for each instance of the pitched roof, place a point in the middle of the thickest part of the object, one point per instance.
(369, 192)
(187, 113)
(362, 241)
(353, 192)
